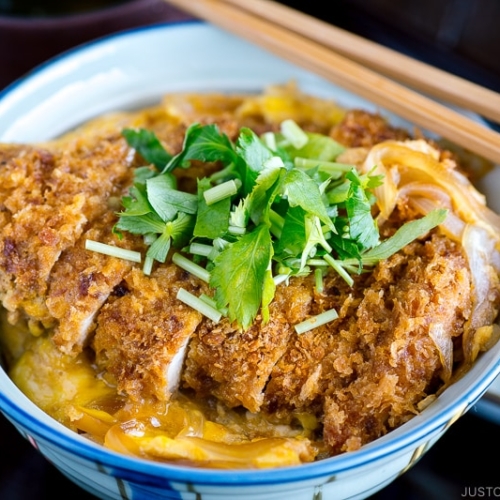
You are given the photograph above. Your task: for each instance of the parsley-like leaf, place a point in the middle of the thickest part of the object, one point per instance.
(148, 146)
(211, 221)
(204, 143)
(302, 191)
(239, 273)
(167, 202)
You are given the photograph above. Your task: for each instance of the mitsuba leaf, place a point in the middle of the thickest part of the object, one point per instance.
(181, 229)
(159, 248)
(212, 221)
(314, 237)
(142, 174)
(148, 146)
(143, 224)
(293, 235)
(404, 235)
(268, 291)
(302, 191)
(239, 273)
(204, 143)
(137, 203)
(263, 194)
(167, 202)
(254, 153)
(362, 227)
(345, 248)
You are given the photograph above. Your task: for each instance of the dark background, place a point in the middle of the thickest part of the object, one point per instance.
(460, 36)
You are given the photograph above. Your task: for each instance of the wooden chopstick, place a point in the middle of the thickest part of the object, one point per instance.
(416, 74)
(350, 75)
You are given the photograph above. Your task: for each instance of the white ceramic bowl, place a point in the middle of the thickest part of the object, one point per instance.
(134, 69)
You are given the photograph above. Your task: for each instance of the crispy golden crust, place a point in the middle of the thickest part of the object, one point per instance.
(234, 365)
(81, 282)
(362, 129)
(49, 197)
(367, 371)
(139, 334)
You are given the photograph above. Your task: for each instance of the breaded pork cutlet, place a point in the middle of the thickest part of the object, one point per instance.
(368, 370)
(142, 335)
(49, 197)
(365, 372)
(81, 282)
(232, 365)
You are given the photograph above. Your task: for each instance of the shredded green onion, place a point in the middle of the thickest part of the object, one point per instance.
(221, 192)
(277, 223)
(318, 277)
(237, 230)
(199, 305)
(269, 140)
(200, 249)
(208, 300)
(315, 321)
(112, 251)
(148, 265)
(342, 272)
(333, 168)
(191, 267)
(293, 133)
(317, 263)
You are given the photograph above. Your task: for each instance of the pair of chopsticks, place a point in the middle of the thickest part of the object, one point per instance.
(362, 67)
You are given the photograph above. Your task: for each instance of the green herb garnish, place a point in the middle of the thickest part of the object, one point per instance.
(279, 206)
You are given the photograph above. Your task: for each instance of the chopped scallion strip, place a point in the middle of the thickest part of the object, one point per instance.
(277, 223)
(269, 140)
(315, 321)
(342, 272)
(112, 251)
(317, 263)
(200, 249)
(191, 267)
(236, 230)
(293, 133)
(335, 169)
(221, 192)
(208, 300)
(199, 305)
(318, 277)
(280, 278)
(148, 265)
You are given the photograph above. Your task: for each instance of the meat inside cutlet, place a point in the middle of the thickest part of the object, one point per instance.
(81, 282)
(49, 196)
(141, 337)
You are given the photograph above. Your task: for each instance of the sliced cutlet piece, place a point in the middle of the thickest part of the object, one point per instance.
(81, 282)
(234, 365)
(367, 370)
(141, 337)
(425, 308)
(51, 197)
(300, 377)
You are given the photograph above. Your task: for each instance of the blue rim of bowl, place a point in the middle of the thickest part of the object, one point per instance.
(176, 473)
